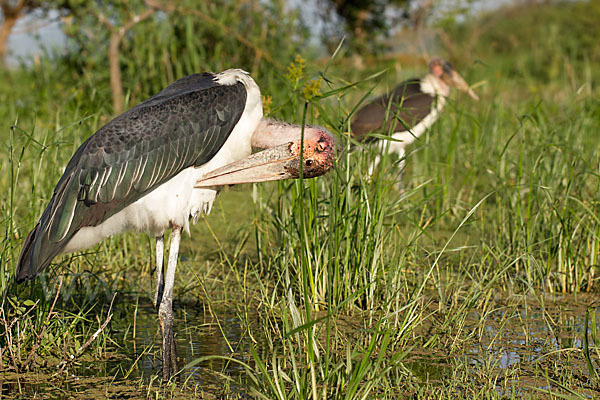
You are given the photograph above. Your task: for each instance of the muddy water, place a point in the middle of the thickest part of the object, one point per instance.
(199, 333)
(523, 339)
(127, 369)
(523, 335)
(528, 335)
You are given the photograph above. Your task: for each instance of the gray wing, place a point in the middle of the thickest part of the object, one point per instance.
(407, 107)
(183, 125)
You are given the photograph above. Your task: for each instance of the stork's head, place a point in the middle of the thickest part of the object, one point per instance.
(443, 70)
(318, 153)
(281, 159)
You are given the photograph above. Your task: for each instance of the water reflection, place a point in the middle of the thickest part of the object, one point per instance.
(198, 334)
(497, 341)
(528, 335)
(511, 336)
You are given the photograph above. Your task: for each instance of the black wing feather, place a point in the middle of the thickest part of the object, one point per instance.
(183, 125)
(407, 107)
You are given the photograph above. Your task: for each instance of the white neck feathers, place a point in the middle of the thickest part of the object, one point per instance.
(434, 86)
(253, 98)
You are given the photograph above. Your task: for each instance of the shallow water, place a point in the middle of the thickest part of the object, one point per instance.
(136, 328)
(522, 336)
(198, 334)
(510, 337)
(529, 334)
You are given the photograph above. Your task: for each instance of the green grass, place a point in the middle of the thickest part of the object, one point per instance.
(339, 287)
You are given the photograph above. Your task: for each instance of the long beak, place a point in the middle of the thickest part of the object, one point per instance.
(268, 165)
(458, 82)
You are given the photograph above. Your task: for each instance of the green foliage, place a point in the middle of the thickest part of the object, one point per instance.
(535, 42)
(167, 46)
(342, 286)
(366, 21)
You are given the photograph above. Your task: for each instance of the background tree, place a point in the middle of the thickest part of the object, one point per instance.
(118, 18)
(365, 21)
(12, 10)
(175, 39)
(180, 38)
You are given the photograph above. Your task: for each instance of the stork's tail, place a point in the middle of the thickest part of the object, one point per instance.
(38, 251)
(26, 266)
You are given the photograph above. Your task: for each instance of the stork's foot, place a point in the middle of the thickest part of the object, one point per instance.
(169, 364)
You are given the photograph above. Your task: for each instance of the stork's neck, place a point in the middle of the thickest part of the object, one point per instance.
(271, 133)
(434, 86)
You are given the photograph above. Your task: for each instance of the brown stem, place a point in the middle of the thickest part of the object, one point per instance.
(33, 352)
(102, 18)
(114, 52)
(66, 362)
(135, 20)
(7, 26)
(11, 15)
(116, 83)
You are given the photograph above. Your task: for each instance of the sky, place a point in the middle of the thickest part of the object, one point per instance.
(32, 34)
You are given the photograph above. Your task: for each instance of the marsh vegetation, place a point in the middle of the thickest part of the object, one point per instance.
(478, 280)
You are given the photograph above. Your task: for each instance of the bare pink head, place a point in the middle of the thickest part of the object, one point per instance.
(443, 70)
(281, 159)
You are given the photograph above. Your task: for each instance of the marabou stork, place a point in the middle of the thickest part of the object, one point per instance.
(160, 164)
(409, 110)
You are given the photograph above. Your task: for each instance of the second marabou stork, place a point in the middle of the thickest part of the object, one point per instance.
(160, 164)
(409, 110)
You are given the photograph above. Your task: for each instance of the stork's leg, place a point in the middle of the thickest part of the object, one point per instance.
(160, 269)
(375, 163)
(398, 148)
(401, 161)
(373, 166)
(401, 164)
(165, 311)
